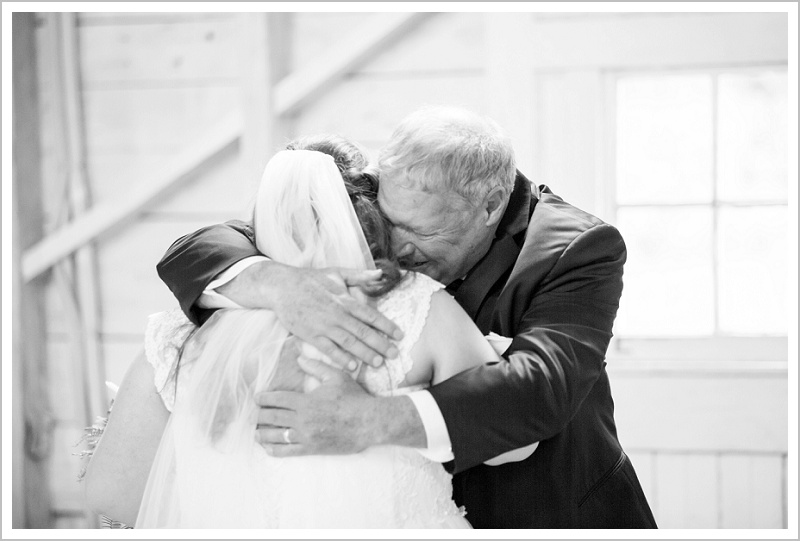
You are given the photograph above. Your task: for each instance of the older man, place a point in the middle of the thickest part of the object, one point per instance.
(525, 265)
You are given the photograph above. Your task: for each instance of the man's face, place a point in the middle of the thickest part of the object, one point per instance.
(435, 233)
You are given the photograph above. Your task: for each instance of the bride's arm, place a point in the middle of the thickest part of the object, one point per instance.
(117, 472)
(449, 343)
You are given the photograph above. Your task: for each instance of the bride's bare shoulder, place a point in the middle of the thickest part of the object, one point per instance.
(450, 342)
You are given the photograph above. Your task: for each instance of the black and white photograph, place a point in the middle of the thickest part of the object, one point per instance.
(356, 269)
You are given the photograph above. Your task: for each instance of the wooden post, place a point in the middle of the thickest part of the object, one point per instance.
(265, 50)
(32, 419)
(280, 30)
(90, 363)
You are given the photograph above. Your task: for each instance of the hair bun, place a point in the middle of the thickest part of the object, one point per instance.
(361, 183)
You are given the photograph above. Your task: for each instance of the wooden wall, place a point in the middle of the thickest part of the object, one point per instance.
(709, 442)
(152, 84)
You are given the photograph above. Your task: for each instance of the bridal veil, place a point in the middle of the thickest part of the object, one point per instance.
(303, 217)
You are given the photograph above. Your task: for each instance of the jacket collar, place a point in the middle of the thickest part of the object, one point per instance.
(504, 250)
(520, 206)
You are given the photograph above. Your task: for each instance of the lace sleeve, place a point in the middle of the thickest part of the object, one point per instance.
(163, 339)
(408, 306)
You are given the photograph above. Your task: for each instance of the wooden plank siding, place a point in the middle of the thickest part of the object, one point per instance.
(710, 446)
(680, 411)
(304, 85)
(108, 215)
(150, 87)
(697, 490)
(160, 51)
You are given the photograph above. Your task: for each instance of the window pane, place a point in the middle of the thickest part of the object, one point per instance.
(665, 139)
(752, 270)
(668, 279)
(752, 137)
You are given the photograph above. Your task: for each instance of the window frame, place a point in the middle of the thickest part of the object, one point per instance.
(760, 353)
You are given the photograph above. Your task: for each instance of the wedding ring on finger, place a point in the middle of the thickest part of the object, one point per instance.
(286, 435)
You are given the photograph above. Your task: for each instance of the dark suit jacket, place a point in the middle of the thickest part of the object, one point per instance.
(552, 280)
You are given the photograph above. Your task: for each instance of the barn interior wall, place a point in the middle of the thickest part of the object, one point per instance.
(152, 84)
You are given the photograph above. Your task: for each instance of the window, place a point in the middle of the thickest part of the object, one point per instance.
(701, 200)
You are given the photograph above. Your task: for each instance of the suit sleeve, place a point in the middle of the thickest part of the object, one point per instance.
(556, 356)
(194, 260)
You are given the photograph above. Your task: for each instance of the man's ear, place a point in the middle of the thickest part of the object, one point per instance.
(495, 205)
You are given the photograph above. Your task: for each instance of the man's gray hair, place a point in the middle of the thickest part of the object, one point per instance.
(439, 147)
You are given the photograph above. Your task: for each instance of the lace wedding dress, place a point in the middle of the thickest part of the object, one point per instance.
(230, 482)
(209, 471)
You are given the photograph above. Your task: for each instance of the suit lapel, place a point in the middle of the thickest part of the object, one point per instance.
(501, 257)
(503, 253)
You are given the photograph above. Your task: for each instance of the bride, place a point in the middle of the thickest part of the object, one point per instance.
(208, 469)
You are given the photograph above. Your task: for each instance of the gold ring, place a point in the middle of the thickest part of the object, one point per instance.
(286, 435)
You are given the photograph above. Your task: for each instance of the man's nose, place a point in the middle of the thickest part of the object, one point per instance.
(401, 246)
(405, 253)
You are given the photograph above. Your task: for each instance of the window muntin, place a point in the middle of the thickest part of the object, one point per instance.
(701, 200)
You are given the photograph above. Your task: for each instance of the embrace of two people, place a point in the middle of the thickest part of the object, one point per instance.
(419, 344)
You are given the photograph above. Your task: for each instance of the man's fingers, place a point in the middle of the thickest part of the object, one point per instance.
(360, 277)
(344, 349)
(344, 328)
(373, 343)
(277, 436)
(278, 399)
(276, 417)
(338, 356)
(352, 344)
(319, 369)
(374, 319)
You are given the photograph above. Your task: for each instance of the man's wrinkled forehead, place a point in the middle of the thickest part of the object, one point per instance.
(408, 179)
(421, 211)
(398, 198)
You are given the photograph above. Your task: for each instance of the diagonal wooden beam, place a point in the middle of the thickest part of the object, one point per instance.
(41, 256)
(293, 92)
(305, 85)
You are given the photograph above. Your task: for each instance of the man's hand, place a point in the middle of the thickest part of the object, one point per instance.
(316, 306)
(336, 418)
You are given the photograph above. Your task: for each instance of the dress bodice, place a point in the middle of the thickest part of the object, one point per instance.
(224, 478)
